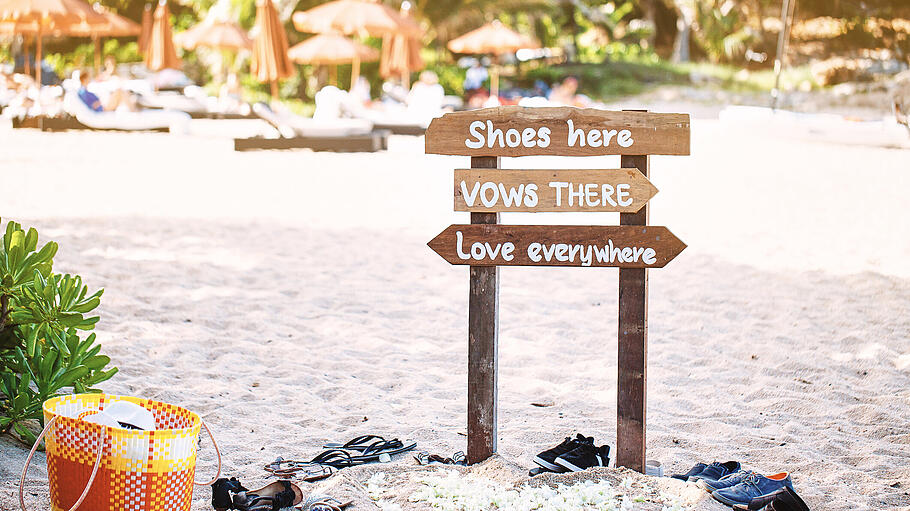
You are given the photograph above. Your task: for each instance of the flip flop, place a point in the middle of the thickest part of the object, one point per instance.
(339, 458)
(307, 471)
(366, 444)
(425, 458)
(277, 495)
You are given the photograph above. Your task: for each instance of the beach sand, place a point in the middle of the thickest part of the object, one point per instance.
(290, 299)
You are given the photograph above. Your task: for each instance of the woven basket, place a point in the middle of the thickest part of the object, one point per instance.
(112, 469)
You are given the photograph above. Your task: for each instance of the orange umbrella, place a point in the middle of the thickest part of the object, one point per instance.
(47, 16)
(493, 38)
(400, 54)
(146, 33)
(333, 49)
(222, 34)
(161, 53)
(354, 17)
(270, 61)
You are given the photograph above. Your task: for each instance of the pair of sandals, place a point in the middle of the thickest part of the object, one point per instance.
(784, 499)
(366, 449)
(229, 494)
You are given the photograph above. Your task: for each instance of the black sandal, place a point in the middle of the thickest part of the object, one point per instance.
(366, 444)
(222, 491)
(307, 471)
(275, 496)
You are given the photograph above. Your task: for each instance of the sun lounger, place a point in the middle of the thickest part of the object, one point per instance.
(296, 132)
(196, 107)
(334, 103)
(86, 118)
(64, 123)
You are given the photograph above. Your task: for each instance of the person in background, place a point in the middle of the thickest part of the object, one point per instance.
(110, 69)
(118, 99)
(361, 90)
(474, 78)
(565, 93)
(426, 95)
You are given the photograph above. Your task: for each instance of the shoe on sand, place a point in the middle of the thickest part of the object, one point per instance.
(547, 459)
(784, 499)
(223, 491)
(715, 471)
(751, 487)
(278, 495)
(694, 471)
(585, 456)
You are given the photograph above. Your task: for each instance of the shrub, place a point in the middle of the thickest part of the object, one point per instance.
(42, 317)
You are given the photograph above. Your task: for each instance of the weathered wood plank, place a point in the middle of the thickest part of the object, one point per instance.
(483, 346)
(557, 245)
(557, 131)
(632, 356)
(603, 190)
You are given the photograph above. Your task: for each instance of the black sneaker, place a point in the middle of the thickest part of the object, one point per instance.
(547, 459)
(585, 456)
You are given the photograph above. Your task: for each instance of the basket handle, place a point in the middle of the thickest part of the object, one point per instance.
(91, 479)
(217, 452)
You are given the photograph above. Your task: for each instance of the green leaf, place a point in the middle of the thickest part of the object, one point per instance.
(97, 362)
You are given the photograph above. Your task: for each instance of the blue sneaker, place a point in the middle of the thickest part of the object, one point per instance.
(726, 481)
(694, 471)
(754, 485)
(715, 471)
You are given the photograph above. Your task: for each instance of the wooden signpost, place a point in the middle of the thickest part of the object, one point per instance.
(485, 190)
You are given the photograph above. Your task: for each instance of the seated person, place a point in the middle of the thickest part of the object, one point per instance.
(426, 95)
(118, 99)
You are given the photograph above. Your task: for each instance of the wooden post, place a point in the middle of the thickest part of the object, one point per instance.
(38, 54)
(631, 399)
(483, 344)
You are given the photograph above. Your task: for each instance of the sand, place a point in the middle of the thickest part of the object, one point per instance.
(290, 299)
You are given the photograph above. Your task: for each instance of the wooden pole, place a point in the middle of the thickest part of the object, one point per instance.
(483, 343)
(631, 399)
(38, 55)
(97, 41)
(274, 85)
(333, 75)
(27, 66)
(786, 11)
(355, 70)
(494, 80)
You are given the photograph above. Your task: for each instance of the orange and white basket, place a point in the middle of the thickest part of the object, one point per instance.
(113, 469)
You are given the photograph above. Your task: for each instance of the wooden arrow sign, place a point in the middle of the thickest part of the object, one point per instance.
(624, 246)
(604, 190)
(556, 131)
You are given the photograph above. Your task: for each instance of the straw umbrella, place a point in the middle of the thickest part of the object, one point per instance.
(116, 26)
(356, 17)
(492, 39)
(332, 50)
(146, 32)
(225, 36)
(270, 61)
(47, 16)
(161, 53)
(400, 53)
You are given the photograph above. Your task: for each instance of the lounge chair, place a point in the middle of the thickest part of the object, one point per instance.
(296, 132)
(332, 102)
(83, 117)
(193, 101)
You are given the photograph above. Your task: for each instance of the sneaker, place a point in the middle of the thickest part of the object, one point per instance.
(726, 481)
(715, 471)
(585, 456)
(694, 471)
(784, 499)
(754, 485)
(547, 459)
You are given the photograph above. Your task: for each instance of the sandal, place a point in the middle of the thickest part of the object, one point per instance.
(275, 496)
(323, 503)
(307, 471)
(222, 491)
(340, 458)
(367, 444)
(425, 458)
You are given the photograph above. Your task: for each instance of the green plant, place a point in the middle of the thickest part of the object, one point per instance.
(41, 316)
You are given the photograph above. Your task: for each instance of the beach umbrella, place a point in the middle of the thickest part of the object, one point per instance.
(115, 26)
(361, 17)
(146, 32)
(223, 35)
(492, 39)
(332, 50)
(220, 35)
(270, 62)
(161, 53)
(400, 53)
(47, 16)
